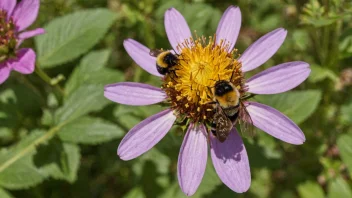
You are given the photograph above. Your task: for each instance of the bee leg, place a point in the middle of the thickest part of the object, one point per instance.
(174, 72)
(172, 78)
(212, 102)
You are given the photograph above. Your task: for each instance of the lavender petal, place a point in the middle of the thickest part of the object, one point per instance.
(192, 159)
(275, 123)
(263, 49)
(229, 26)
(132, 93)
(279, 78)
(145, 135)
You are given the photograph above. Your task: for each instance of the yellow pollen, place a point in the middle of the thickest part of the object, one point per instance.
(201, 63)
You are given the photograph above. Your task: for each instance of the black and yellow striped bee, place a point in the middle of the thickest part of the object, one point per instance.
(165, 60)
(228, 110)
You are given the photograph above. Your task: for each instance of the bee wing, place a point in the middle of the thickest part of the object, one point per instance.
(246, 123)
(155, 52)
(223, 125)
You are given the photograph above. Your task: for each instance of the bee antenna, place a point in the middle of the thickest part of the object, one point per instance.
(173, 71)
(231, 76)
(233, 71)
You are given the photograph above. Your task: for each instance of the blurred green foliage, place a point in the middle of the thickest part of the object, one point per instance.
(61, 139)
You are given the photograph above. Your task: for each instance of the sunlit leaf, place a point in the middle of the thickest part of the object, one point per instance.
(5, 194)
(345, 148)
(346, 113)
(345, 46)
(320, 73)
(261, 183)
(339, 188)
(310, 189)
(72, 35)
(135, 193)
(297, 105)
(89, 130)
(91, 71)
(17, 170)
(84, 100)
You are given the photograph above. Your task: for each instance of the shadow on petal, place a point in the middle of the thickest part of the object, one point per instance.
(231, 162)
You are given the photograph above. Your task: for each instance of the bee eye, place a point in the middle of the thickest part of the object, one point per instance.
(227, 88)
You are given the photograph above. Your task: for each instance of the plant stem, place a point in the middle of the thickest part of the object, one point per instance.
(31, 147)
(45, 77)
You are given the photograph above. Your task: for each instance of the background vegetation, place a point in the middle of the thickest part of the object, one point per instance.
(59, 137)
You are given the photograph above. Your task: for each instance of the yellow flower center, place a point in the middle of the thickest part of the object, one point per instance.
(201, 64)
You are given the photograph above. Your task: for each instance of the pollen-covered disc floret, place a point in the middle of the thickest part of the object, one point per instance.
(8, 40)
(201, 64)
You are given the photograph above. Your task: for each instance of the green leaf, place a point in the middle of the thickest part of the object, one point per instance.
(89, 130)
(310, 189)
(161, 161)
(297, 105)
(346, 114)
(320, 73)
(345, 44)
(301, 40)
(18, 103)
(71, 162)
(6, 135)
(91, 71)
(17, 170)
(85, 99)
(5, 194)
(345, 148)
(262, 184)
(47, 118)
(135, 193)
(21, 175)
(59, 160)
(339, 188)
(72, 35)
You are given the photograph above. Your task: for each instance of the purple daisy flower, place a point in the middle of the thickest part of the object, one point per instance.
(14, 19)
(187, 91)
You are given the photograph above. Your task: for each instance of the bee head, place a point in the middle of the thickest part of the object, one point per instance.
(222, 87)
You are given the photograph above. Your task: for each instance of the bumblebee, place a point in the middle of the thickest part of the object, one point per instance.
(228, 110)
(165, 60)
